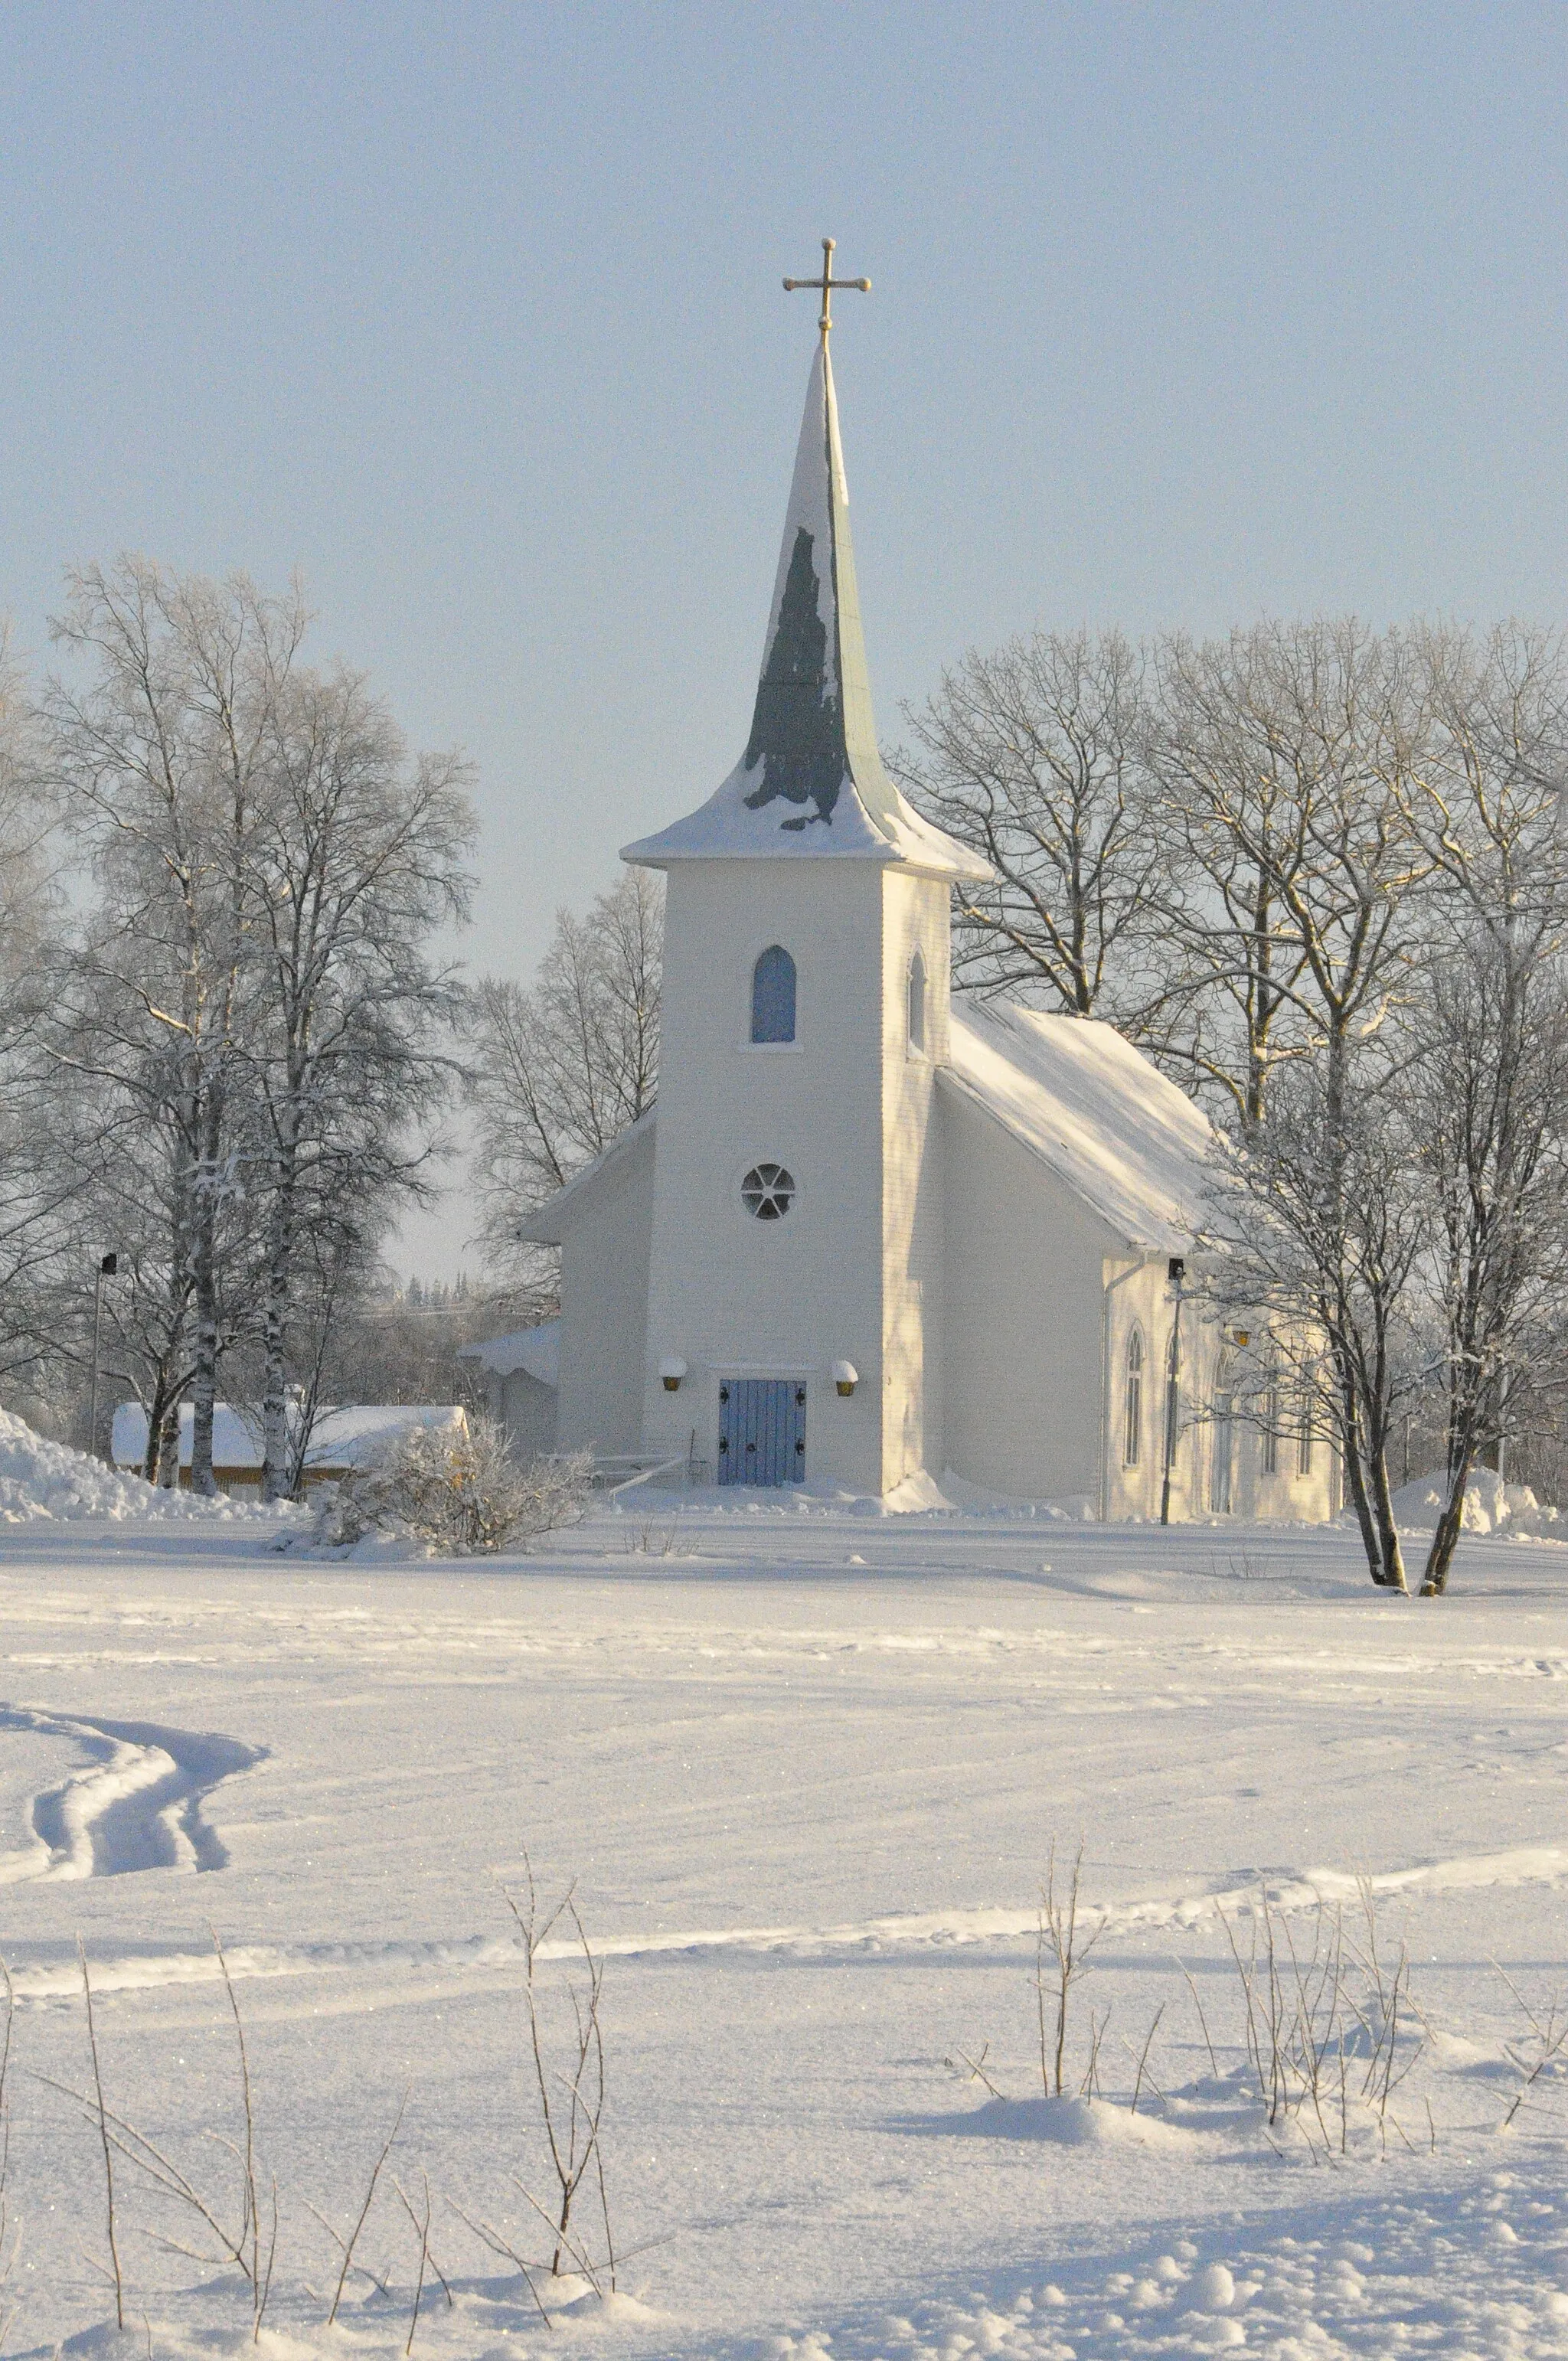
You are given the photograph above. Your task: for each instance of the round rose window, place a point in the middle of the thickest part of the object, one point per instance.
(767, 1192)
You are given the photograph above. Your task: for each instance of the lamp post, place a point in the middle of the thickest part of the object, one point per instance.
(1178, 1269)
(108, 1266)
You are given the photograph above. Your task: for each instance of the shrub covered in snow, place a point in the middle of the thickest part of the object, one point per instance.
(456, 1488)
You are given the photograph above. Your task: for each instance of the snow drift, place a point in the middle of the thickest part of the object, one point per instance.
(1490, 1505)
(44, 1479)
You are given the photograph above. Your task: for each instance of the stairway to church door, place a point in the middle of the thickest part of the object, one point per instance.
(761, 1431)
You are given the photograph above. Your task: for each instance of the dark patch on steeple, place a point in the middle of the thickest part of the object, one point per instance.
(797, 728)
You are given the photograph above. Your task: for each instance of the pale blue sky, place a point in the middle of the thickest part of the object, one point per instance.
(473, 313)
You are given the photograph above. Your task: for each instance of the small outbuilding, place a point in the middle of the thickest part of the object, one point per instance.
(523, 1378)
(342, 1441)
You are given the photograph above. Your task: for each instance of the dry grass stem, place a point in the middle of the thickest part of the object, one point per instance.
(422, 2228)
(1549, 2035)
(974, 2067)
(1144, 2061)
(1202, 2020)
(104, 2140)
(570, 2130)
(421, 2225)
(1061, 1957)
(346, 2245)
(489, 2236)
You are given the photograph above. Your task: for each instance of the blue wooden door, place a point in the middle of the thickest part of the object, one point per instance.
(761, 1431)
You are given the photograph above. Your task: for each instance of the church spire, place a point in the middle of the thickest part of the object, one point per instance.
(812, 731)
(811, 780)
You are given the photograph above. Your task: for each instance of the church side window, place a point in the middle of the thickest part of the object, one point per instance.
(773, 995)
(1132, 1404)
(917, 1003)
(1222, 1465)
(1271, 1423)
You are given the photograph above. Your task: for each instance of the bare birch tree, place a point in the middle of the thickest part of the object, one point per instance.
(41, 1183)
(163, 756)
(355, 859)
(253, 989)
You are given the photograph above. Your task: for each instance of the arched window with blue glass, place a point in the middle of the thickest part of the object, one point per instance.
(773, 995)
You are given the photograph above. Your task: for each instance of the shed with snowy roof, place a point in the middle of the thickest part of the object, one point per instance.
(342, 1442)
(867, 1232)
(521, 1374)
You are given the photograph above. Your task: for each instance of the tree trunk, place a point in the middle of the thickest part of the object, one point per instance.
(1355, 1474)
(277, 1470)
(1451, 1523)
(155, 1416)
(169, 1444)
(204, 1275)
(1392, 1573)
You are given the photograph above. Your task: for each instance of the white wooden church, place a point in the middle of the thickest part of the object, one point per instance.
(867, 1232)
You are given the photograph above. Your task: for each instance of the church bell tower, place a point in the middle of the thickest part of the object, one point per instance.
(795, 1289)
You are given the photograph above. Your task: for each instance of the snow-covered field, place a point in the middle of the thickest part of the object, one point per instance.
(806, 1770)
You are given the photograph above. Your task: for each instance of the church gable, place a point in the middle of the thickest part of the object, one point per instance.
(627, 1161)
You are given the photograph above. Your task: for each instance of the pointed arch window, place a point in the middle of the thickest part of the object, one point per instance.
(773, 995)
(1133, 1403)
(917, 1004)
(1271, 1420)
(1223, 1462)
(1305, 1409)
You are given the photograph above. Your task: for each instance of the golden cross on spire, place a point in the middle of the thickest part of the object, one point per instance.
(827, 284)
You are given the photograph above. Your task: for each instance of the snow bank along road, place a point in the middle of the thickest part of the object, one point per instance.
(806, 1771)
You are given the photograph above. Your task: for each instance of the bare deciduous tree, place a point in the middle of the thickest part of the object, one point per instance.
(355, 859)
(1316, 1231)
(1281, 757)
(251, 1006)
(1031, 757)
(561, 1069)
(163, 756)
(1491, 1071)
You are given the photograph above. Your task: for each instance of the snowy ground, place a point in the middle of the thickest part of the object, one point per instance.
(806, 1770)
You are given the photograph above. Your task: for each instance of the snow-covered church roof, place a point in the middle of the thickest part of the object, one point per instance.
(1106, 1121)
(811, 782)
(536, 1351)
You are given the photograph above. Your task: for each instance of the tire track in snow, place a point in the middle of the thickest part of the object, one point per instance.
(135, 1805)
(1236, 1898)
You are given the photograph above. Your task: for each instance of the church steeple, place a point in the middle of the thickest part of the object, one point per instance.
(811, 780)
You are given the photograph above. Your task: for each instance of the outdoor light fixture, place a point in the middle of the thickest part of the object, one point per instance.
(1177, 1270)
(672, 1370)
(846, 1377)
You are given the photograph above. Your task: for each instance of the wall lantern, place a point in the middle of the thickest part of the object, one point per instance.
(846, 1377)
(672, 1370)
(1242, 1335)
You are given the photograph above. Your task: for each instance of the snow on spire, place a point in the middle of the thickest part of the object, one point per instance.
(811, 780)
